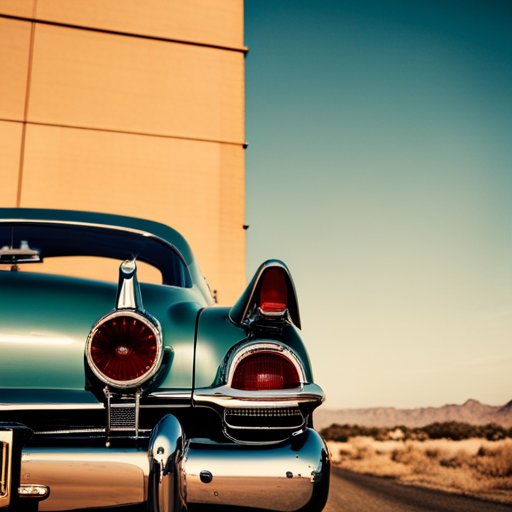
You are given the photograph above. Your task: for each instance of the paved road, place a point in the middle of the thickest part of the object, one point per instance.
(352, 492)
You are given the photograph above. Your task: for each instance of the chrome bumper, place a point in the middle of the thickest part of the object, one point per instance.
(175, 474)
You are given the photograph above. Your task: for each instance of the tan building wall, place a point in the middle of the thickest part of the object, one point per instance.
(130, 107)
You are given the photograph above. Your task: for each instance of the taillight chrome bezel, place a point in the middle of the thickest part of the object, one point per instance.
(152, 323)
(269, 346)
(243, 312)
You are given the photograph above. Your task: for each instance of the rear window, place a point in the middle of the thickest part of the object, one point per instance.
(95, 251)
(89, 267)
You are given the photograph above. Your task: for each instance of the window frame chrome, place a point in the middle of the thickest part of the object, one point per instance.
(134, 231)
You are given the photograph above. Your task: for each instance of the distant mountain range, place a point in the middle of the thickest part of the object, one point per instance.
(471, 411)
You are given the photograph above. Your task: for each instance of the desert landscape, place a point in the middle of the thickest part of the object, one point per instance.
(429, 447)
(471, 411)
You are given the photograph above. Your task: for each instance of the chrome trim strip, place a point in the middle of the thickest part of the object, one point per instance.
(128, 289)
(3, 469)
(72, 407)
(168, 406)
(234, 427)
(171, 395)
(68, 431)
(49, 407)
(89, 431)
(34, 491)
(93, 225)
(78, 407)
(150, 322)
(273, 314)
(6, 440)
(128, 429)
(137, 410)
(108, 394)
(262, 345)
(224, 396)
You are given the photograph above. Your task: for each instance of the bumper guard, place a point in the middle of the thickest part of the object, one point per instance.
(174, 474)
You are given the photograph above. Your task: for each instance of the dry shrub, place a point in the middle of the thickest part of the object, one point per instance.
(415, 457)
(340, 451)
(494, 462)
(453, 430)
(363, 447)
(345, 452)
(432, 453)
(474, 466)
(460, 459)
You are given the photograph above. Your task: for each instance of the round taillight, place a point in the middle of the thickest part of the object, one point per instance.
(124, 350)
(265, 370)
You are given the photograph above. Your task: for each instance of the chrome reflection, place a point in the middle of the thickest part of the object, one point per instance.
(86, 477)
(128, 288)
(48, 407)
(264, 418)
(224, 396)
(283, 478)
(6, 438)
(35, 338)
(33, 491)
(165, 458)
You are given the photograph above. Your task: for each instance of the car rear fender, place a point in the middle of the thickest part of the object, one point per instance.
(216, 336)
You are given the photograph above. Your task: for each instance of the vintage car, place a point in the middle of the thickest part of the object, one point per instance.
(148, 396)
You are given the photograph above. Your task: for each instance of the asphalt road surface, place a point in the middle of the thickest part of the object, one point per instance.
(352, 492)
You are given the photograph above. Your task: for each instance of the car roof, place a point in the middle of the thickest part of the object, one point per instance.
(122, 222)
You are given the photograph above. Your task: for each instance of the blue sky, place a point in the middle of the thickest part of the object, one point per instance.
(380, 170)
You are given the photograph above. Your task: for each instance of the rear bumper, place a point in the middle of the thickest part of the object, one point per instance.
(175, 474)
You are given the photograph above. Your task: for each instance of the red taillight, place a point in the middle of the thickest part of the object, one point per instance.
(124, 348)
(274, 291)
(265, 370)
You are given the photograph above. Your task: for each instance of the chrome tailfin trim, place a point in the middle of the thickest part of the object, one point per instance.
(128, 289)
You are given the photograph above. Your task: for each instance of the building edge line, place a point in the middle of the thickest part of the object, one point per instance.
(25, 108)
(127, 132)
(241, 49)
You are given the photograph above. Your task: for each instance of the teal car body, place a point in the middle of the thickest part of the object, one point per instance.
(152, 394)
